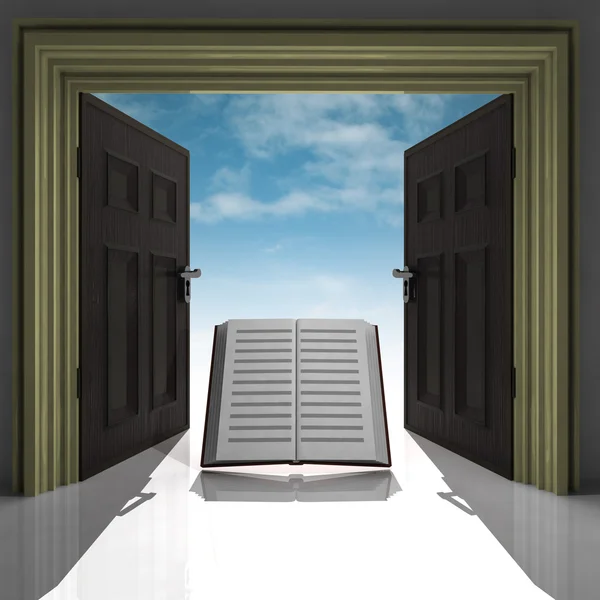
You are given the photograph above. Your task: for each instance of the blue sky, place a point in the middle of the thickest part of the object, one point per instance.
(297, 199)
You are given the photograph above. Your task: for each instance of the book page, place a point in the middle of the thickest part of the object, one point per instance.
(258, 417)
(333, 412)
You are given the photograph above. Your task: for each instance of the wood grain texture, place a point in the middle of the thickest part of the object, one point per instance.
(459, 329)
(134, 326)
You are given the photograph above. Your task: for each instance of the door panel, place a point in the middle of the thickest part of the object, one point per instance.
(134, 238)
(459, 327)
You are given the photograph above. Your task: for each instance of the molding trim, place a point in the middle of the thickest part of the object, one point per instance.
(55, 60)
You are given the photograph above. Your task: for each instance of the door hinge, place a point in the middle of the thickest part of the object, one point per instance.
(514, 163)
(78, 162)
(514, 382)
(78, 382)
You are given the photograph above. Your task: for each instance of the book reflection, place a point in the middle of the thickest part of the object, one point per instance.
(216, 486)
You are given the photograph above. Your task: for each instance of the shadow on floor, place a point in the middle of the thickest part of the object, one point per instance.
(42, 538)
(554, 539)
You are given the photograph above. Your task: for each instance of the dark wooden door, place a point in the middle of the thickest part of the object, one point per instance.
(459, 327)
(134, 326)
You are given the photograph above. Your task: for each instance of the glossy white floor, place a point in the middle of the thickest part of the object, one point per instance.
(452, 530)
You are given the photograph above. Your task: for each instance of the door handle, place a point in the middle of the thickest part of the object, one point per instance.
(409, 288)
(187, 275)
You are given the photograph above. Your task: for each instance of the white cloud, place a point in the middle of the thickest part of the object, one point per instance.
(388, 203)
(357, 162)
(222, 206)
(420, 112)
(274, 248)
(236, 205)
(270, 124)
(229, 180)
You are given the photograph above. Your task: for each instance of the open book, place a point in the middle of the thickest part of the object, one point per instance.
(305, 391)
(378, 485)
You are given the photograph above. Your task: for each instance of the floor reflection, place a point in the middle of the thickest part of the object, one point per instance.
(346, 487)
(554, 539)
(43, 538)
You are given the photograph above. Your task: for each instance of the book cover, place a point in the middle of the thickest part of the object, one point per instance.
(296, 391)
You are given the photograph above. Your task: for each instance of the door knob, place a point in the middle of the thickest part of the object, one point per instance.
(187, 275)
(409, 289)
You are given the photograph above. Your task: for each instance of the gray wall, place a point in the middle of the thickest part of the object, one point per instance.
(587, 12)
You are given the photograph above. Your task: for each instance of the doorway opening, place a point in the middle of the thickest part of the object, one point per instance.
(296, 210)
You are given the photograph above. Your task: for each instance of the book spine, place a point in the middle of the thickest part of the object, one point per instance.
(210, 383)
(296, 399)
(385, 421)
(213, 402)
